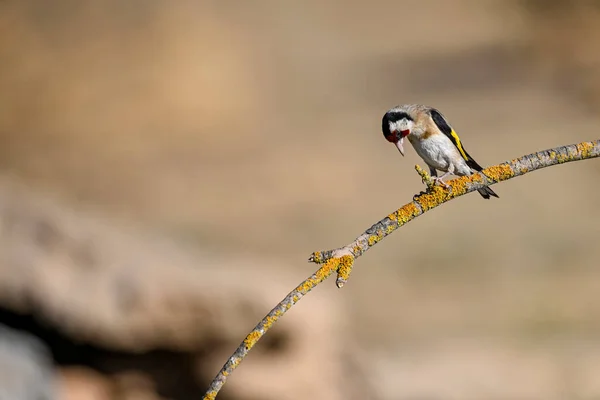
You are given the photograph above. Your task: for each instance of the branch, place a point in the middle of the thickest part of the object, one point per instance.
(340, 260)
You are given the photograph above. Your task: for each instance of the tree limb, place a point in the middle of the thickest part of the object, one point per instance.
(340, 260)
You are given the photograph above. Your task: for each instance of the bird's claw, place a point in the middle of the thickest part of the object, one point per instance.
(440, 182)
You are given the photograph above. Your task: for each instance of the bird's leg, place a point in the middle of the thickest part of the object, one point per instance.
(434, 178)
(440, 180)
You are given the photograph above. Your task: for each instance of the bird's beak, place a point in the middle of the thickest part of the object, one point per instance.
(400, 146)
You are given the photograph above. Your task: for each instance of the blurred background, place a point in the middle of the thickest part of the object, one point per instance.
(166, 168)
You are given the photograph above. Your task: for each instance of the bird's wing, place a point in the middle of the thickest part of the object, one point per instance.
(447, 130)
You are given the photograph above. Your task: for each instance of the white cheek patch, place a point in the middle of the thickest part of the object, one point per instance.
(407, 125)
(404, 125)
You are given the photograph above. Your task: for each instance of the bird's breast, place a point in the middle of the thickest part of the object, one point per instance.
(434, 151)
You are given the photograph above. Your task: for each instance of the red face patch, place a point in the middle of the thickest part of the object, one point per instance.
(405, 133)
(391, 138)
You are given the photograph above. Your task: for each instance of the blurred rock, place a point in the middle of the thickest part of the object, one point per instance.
(80, 383)
(25, 368)
(135, 386)
(84, 384)
(102, 289)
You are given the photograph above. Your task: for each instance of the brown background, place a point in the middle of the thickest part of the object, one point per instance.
(251, 131)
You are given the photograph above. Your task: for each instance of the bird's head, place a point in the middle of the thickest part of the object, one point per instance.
(396, 125)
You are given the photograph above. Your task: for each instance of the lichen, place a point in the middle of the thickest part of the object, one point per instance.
(586, 149)
(460, 186)
(560, 157)
(407, 213)
(432, 198)
(251, 339)
(344, 269)
(236, 361)
(317, 257)
(212, 395)
(499, 173)
(373, 239)
(322, 273)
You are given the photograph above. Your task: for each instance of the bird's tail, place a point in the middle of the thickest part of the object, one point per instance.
(486, 192)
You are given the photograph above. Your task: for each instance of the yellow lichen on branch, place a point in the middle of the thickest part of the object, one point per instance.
(499, 173)
(345, 264)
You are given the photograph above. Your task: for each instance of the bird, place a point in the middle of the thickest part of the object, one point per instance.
(434, 140)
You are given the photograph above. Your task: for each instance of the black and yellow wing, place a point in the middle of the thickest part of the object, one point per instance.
(447, 130)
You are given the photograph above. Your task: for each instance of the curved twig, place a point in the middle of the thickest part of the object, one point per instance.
(340, 260)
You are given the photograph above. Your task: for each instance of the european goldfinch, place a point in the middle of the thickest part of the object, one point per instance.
(433, 139)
